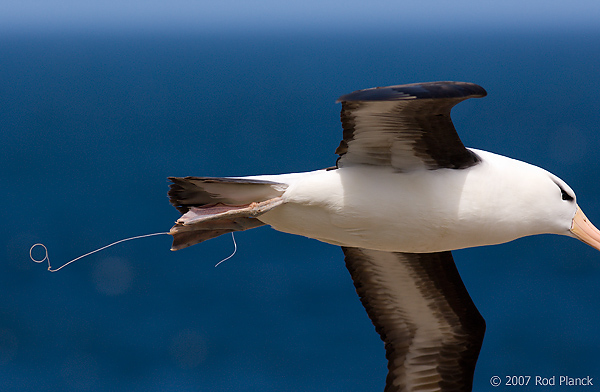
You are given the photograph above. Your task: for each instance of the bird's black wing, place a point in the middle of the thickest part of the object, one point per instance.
(407, 127)
(421, 309)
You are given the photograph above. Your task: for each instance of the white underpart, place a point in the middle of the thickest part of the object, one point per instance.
(375, 207)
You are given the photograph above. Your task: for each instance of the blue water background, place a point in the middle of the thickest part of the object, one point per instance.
(92, 124)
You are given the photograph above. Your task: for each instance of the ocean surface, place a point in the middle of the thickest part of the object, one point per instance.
(93, 124)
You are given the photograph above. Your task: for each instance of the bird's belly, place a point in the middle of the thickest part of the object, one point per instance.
(365, 229)
(386, 211)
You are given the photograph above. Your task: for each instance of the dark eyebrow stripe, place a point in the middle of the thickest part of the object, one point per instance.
(564, 194)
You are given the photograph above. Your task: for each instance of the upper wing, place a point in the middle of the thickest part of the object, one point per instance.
(421, 309)
(407, 127)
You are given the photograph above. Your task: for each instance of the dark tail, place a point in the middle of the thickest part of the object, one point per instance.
(211, 206)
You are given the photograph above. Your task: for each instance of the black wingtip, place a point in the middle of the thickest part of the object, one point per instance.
(429, 90)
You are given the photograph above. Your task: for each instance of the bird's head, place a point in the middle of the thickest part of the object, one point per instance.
(530, 200)
(576, 224)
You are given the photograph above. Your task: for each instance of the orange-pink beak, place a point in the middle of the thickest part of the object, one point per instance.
(583, 230)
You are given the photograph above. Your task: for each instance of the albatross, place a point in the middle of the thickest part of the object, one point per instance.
(403, 194)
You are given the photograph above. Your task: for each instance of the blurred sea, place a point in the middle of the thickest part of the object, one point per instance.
(92, 124)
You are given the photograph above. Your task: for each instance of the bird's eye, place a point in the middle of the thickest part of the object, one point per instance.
(565, 196)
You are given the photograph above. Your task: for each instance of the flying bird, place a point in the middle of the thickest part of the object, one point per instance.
(403, 194)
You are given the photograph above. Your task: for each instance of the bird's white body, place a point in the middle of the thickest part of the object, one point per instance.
(496, 201)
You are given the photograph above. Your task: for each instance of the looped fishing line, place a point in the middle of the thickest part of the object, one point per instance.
(47, 258)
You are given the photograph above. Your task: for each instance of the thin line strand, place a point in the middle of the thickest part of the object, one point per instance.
(231, 255)
(46, 257)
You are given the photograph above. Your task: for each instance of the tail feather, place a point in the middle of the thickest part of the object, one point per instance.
(213, 206)
(186, 192)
